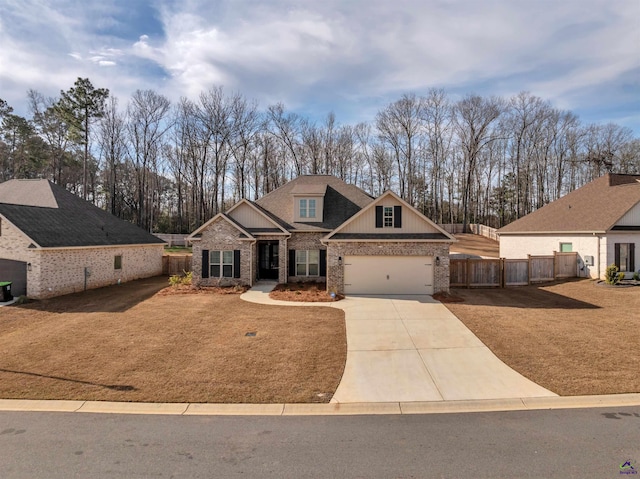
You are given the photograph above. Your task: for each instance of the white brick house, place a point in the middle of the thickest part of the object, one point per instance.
(53, 242)
(600, 221)
(318, 228)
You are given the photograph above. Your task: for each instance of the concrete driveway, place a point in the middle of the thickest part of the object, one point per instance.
(413, 349)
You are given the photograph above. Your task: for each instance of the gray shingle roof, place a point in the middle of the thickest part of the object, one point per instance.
(595, 207)
(341, 201)
(74, 222)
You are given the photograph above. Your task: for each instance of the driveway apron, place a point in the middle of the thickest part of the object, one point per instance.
(412, 348)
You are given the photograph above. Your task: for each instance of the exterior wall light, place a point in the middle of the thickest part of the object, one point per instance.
(437, 260)
(28, 266)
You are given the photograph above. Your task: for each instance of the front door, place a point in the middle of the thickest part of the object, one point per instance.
(268, 260)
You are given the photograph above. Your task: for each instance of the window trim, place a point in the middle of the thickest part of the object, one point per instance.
(566, 243)
(117, 262)
(388, 218)
(307, 262)
(310, 205)
(221, 263)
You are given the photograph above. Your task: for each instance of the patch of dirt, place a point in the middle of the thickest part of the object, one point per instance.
(447, 298)
(476, 245)
(304, 292)
(130, 343)
(188, 289)
(573, 338)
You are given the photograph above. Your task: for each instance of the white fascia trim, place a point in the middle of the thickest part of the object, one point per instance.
(331, 240)
(540, 233)
(56, 248)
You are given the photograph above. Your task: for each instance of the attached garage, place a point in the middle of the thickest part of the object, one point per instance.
(16, 272)
(388, 274)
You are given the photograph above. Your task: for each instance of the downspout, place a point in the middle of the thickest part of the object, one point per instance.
(598, 268)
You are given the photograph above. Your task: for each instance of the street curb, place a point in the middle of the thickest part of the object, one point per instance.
(330, 409)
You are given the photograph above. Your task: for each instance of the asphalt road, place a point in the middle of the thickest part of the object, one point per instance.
(580, 443)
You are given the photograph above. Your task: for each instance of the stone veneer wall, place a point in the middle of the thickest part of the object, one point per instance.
(223, 236)
(335, 271)
(306, 241)
(62, 271)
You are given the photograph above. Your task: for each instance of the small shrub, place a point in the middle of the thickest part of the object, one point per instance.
(611, 275)
(636, 276)
(620, 277)
(184, 279)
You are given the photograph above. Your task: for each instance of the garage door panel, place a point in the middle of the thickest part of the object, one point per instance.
(388, 275)
(16, 272)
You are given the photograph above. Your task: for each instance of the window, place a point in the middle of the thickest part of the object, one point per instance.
(308, 262)
(117, 262)
(566, 247)
(221, 264)
(307, 208)
(387, 217)
(624, 257)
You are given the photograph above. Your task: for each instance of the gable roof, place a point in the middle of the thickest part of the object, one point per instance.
(54, 217)
(595, 207)
(244, 233)
(434, 232)
(341, 201)
(276, 227)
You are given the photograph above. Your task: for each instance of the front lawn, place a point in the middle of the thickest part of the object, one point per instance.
(129, 343)
(573, 338)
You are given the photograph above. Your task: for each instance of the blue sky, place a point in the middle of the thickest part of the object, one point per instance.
(351, 57)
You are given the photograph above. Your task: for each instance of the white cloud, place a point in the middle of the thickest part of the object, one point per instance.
(333, 54)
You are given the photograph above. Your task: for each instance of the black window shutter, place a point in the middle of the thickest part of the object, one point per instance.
(632, 256)
(292, 262)
(236, 263)
(323, 262)
(205, 263)
(397, 216)
(616, 254)
(378, 216)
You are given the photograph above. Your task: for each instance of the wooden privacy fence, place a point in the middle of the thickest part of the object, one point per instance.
(500, 273)
(172, 239)
(475, 228)
(176, 264)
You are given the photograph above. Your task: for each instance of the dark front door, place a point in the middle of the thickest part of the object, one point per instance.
(268, 260)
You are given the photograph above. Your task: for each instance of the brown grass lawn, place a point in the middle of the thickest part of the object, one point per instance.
(476, 245)
(573, 338)
(129, 343)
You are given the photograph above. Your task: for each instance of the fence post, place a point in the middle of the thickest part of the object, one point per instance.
(555, 265)
(468, 273)
(502, 273)
(529, 269)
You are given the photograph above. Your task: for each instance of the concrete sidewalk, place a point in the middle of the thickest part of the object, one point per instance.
(413, 349)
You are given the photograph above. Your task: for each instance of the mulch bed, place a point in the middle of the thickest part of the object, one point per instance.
(304, 292)
(188, 289)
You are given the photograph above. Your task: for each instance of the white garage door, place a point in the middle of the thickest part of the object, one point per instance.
(388, 275)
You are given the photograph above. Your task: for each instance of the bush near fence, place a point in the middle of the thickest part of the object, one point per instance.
(501, 273)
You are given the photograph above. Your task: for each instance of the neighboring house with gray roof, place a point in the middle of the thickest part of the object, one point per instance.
(319, 228)
(600, 221)
(53, 242)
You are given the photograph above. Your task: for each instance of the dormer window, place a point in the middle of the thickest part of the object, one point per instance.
(388, 217)
(307, 208)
